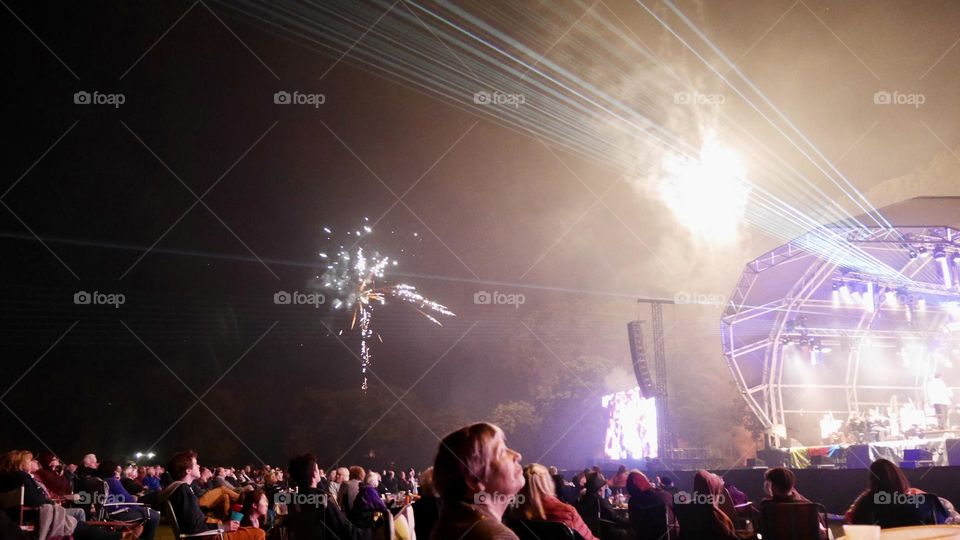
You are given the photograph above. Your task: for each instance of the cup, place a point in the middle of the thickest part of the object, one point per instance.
(861, 532)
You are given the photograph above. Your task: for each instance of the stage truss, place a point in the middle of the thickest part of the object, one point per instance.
(804, 335)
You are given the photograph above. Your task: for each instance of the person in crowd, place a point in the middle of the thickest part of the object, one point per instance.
(129, 481)
(403, 484)
(220, 479)
(618, 483)
(538, 501)
(165, 478)
(186, 507)
(255, 509)
(336, 478)
(88, 466)
(350, 489)
(426, 509)
(666, 483)
(702, 518)
(594, 507)
(110, 472)
(475, 460)
(889, 501)
(780, 487)
(368, 508)
(390, 484)
(16, 471)
(650, 508)
(150, 480)
(317, 518)
(244, 476)
(51, 475)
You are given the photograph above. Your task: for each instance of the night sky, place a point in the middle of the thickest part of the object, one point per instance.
(199, 198)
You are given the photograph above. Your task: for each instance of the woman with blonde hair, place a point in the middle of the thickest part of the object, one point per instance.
(537, 500)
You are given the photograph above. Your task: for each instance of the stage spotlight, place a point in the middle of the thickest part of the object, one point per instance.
(922, 250)
(939, 254)
(869, 303)
(913, 253)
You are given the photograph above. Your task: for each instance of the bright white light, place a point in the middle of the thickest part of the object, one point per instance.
(891, 299)
(835, 296)
(945, 272)
(868, 301)
(708, 195)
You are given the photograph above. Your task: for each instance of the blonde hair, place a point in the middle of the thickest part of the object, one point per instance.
(16, 461)
(538, 486)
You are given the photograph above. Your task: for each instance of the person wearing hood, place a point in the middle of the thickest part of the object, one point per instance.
(700, 514)
(650, 508)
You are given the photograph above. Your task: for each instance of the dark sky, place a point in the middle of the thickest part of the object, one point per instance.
(495, 209)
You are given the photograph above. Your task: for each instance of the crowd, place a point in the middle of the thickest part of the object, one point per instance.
(475, 490)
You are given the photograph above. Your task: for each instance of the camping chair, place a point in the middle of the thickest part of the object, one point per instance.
(168, 508)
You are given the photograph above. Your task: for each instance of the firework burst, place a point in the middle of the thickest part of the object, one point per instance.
(356, 280)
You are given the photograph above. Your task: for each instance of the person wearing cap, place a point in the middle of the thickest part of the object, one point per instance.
(595, 508)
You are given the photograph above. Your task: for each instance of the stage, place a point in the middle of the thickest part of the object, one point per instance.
(859, 456)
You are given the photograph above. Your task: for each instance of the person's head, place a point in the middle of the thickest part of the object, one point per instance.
(304, 472)
(426, 483)
(666, 481)
(476, 458)
(705, 483)
(553, 470)
(130, 472)
(247, 469)
(372, 479)
(403, 475)
(90, 461)
(343, 474)
(781, 481)
(595, 483)
(886, 476)
(255, 504)
(72, 468)
(48, 460)
(219, 472)
(16, 461)
(622, 469)
(637, 483)
(205, 474)
(538, 485)
(184, 467)
(269, 478)
(357, 473)
(391, 474)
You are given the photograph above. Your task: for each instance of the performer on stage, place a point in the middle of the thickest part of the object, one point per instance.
(939, 396)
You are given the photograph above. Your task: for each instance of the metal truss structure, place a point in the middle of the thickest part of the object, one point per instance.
(794, 350)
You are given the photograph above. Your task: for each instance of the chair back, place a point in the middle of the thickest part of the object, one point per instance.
(589, 509)
(790, 520)
(172, 516)
(527, 529)
(923, 509)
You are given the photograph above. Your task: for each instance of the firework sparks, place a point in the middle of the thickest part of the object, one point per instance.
(356, 279)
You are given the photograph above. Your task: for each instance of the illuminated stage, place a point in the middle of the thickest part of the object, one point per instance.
(837, 343)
